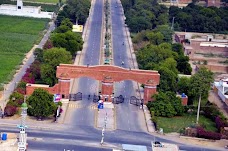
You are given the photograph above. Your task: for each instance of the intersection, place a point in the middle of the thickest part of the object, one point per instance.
(78, 130)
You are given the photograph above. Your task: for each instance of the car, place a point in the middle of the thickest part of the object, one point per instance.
(115, 6)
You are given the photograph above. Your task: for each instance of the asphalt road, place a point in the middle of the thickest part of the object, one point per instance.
(79, 132)
(72, 138)
(129, 117)
(81, 112)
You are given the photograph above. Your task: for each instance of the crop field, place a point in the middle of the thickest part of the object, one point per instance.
(18, 35)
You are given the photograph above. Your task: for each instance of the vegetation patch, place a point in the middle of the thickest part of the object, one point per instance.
(16, 41)
(177, 123)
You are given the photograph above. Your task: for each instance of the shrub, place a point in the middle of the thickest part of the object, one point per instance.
(48, 44)
(10, 110)
(201, 133)
(219, 123)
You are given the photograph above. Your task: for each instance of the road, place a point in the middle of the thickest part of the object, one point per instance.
(81, 113)
(78, 132)
(72, 138)
(129, 117)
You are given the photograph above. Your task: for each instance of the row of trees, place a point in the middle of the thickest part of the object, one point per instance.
(199, 19)
(144, 14)
(76, 10)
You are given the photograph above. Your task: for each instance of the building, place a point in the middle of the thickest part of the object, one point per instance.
(216, 3)
(210, 50)
(221, 88)
(26, 11)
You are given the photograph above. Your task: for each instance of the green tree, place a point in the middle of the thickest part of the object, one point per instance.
(72, 42)
(165, 31)
(183, 85)
(155, 38)
(168, 79)
(52, 58)
(166, 105)
(66, 25)
(170, 64)
(40, 104)
(200, 84)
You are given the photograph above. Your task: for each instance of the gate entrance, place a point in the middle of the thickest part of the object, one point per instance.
(75, 97)
(135, 101)
(107, 74)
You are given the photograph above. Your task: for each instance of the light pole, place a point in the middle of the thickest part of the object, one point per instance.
(22, 142)
(197, 118)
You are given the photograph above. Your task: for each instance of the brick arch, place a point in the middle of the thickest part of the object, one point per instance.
(107, 74)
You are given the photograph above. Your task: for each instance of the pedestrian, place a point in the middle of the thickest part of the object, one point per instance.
(89, 97)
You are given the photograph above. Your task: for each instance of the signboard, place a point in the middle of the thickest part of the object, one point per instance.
(57, 97)
(77, 28)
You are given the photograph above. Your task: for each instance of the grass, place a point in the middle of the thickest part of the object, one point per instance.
(175, 124)
(18, 35)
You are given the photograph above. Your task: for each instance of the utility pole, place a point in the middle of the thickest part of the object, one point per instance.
(172, 23)
(197, 118)
(22, 142)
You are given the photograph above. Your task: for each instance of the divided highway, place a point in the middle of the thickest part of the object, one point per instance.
(81, 113)
(129, 117)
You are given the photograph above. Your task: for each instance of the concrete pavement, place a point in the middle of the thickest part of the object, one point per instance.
(106, 117)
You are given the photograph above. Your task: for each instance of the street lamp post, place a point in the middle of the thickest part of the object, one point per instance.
(198, 111)
(22, 142)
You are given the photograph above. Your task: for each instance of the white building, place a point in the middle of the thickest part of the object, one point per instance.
(221, 88)
(26, 11)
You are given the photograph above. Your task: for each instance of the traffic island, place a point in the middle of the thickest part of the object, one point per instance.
(106, 117)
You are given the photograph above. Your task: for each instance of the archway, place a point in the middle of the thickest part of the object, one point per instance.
(107, 74)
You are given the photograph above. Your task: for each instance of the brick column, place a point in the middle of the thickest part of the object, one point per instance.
(64, 88)
(149, 90)
(106, 91)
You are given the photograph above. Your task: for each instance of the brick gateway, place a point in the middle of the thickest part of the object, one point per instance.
(107, 74)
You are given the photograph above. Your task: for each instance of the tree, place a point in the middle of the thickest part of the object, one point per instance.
(78, 10)
(183, 65)
(41, 104)
(17, 99)
(167, 79)
(72, 42)
(170, 64)
(166, 32)
(155, 38)
(52, 58)
(183, 85)
(200, 84)
(166, 104)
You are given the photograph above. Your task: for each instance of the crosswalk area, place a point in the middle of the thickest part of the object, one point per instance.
(78, 106)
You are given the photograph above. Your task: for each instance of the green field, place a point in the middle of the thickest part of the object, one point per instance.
(18, 35)
(175, 124)
(45, 1)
